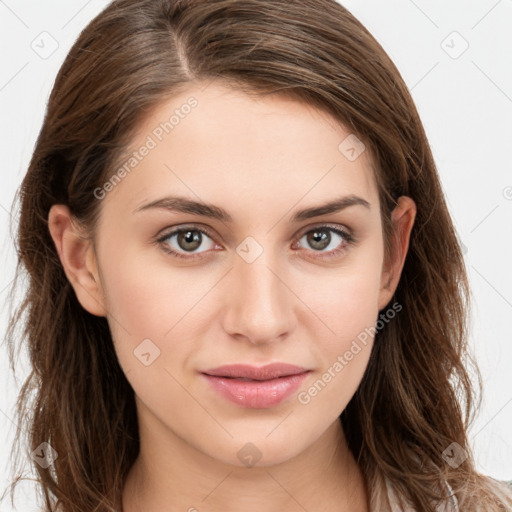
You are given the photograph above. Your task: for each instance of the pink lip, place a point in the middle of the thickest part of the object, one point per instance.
(272, 383)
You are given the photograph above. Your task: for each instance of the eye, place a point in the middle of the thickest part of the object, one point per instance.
(328, 240)
(183, 241)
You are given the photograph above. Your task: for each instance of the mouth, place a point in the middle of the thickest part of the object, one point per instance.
(256, 387)
(254, 373)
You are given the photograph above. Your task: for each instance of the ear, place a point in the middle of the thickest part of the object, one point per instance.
(403, 217)
(76, 253)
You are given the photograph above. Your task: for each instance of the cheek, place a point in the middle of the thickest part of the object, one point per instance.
(157, 314)
(154, 330)
(345, 302)
(149, 298)
(343, 357)
(343, 312)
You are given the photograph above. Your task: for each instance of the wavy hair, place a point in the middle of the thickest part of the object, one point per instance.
(416, 396)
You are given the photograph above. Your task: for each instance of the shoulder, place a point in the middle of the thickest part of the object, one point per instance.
(450, 505)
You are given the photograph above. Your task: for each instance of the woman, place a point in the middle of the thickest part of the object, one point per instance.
(310, 357)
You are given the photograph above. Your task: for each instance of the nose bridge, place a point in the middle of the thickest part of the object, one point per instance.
(260, 304)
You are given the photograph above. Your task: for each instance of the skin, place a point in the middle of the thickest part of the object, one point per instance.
(261, 160)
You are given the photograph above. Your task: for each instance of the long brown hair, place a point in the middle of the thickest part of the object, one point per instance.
(415, 399)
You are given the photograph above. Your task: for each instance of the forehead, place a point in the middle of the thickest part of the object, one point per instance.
(222, 145)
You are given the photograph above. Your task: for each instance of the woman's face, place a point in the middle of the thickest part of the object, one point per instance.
(251, 280)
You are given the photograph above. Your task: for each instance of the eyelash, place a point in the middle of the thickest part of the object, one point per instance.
(349, 238)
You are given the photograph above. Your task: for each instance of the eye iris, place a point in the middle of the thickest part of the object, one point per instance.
(319, 239)
(189, 240)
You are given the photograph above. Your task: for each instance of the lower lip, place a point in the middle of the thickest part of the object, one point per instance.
(261, 394)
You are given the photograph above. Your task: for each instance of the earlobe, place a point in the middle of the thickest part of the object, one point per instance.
(403, 217)
(78, 259)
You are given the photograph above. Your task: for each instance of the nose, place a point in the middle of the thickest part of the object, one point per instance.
(260, 304)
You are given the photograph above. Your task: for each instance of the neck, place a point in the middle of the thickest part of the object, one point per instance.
(170, 474)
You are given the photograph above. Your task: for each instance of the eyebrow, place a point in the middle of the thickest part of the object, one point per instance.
(185, 205)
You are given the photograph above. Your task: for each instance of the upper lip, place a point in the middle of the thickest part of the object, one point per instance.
(269, 371)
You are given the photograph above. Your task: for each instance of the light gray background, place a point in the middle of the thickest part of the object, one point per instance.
(464, 99)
